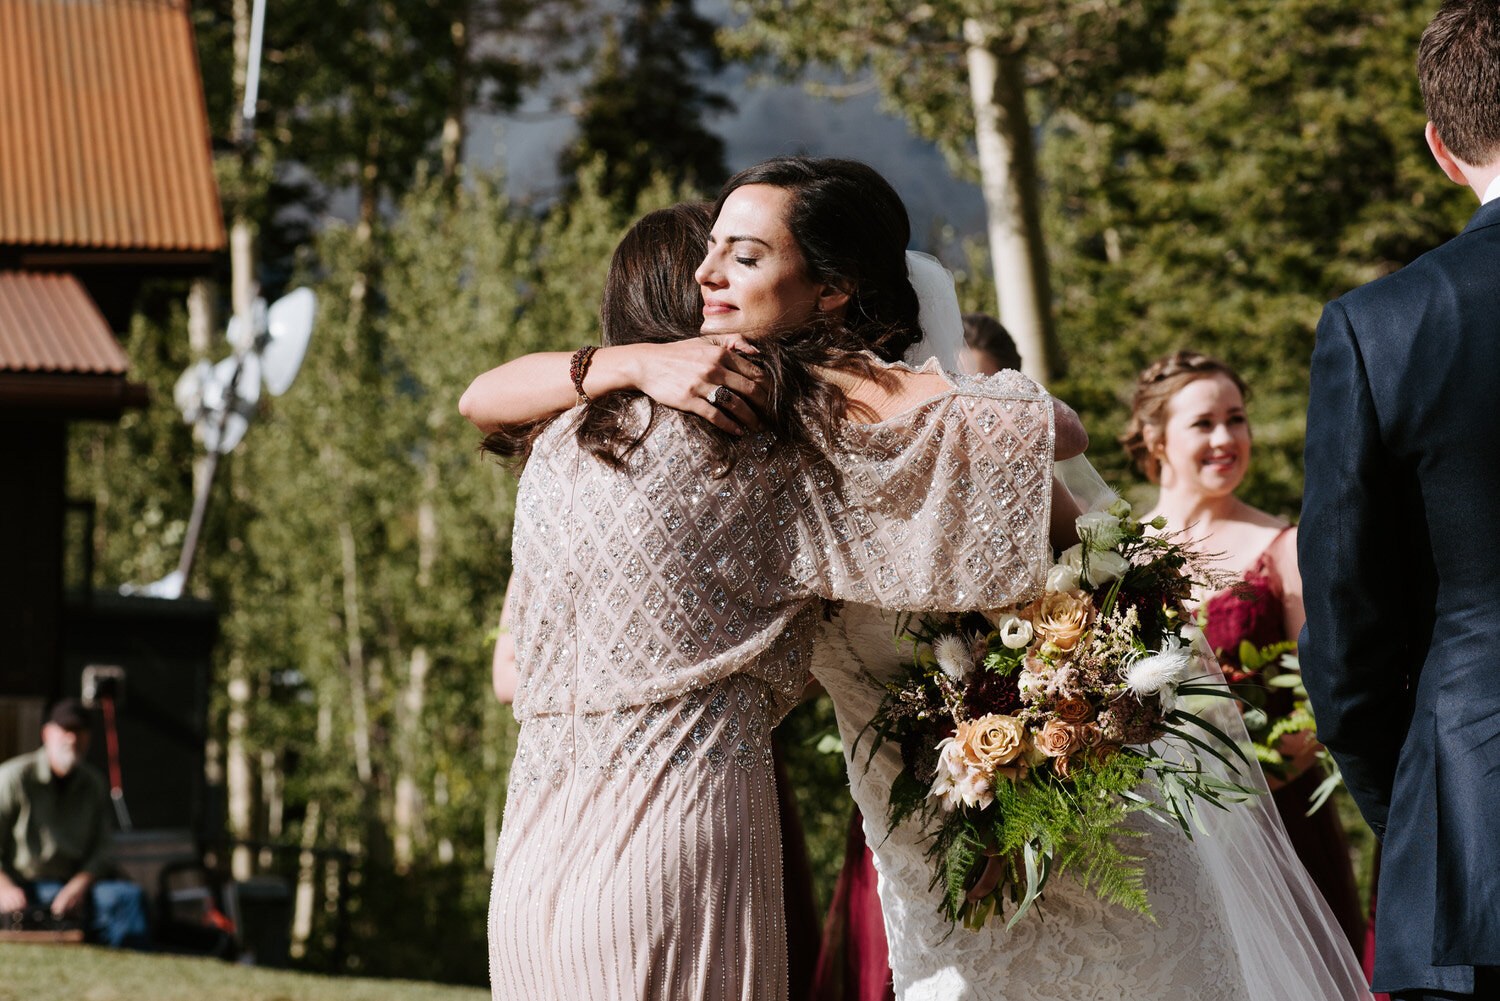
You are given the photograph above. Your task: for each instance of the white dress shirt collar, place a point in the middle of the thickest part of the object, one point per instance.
(1492, 192)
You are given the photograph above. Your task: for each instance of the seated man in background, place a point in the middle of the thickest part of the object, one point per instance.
(54, 835)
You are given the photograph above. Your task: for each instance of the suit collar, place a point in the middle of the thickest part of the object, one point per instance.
(1488, 215)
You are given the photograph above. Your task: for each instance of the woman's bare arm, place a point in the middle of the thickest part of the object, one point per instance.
(1065, 512)
(1069, 438)
(681, 374)
(503, 668)
(1283, 554)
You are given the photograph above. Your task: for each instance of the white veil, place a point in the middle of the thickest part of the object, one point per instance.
(1289, 943)
(943, 338)
(941, 319)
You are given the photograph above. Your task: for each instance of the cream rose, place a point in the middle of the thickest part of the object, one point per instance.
(1062, 577)
(1061, 618)
(1103, 565)
(991, 741)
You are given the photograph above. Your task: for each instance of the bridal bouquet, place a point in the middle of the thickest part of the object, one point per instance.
(1029, 734)
(1268, 682)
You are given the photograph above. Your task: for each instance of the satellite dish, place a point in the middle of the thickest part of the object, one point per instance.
(188, 392)
(289, 324)
(220, 431)
(219, 400)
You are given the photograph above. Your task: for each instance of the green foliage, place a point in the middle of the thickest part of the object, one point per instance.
(357, 546)
(1269, 160)
(914, 53)
(643, 110)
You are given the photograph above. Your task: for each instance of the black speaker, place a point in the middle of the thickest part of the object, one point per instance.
(153, 657)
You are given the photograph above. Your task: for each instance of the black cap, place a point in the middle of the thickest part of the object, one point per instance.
(70, 715)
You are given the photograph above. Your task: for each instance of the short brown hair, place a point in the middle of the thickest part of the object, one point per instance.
(982, 332)
(1458, 67)
(1153, 393)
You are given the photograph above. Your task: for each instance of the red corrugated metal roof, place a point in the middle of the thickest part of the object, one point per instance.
(104, 137)
(48, 323)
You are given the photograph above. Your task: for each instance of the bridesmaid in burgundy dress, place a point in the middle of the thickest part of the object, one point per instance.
(1189, 433)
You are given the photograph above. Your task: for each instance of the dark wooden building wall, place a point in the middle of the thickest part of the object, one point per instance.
(33, 457)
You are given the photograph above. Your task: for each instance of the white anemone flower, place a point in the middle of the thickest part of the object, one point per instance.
(1015, 632)
(953, 656)
(1160, 673)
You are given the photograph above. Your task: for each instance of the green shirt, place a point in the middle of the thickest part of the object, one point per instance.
(51, 828)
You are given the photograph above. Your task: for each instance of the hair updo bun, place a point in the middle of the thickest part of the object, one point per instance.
(1153, 394)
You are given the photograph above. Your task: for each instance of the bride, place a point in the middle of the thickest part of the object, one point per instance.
(1235, 915)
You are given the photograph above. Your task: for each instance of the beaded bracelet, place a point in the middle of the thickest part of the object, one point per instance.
(579, 367)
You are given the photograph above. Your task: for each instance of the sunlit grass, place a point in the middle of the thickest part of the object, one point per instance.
(87, 973)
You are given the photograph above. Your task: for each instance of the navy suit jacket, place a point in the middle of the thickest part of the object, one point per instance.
(1399, 548)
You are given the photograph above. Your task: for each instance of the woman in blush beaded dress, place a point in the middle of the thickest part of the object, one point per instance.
(1189, 432)
(1235, 917)
(666, 593)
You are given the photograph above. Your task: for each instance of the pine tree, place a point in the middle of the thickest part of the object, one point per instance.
(643, 111)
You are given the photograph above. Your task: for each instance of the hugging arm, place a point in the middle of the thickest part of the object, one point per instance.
(503, 666)
(1069, 437)
(680, 374)
(1354, 670)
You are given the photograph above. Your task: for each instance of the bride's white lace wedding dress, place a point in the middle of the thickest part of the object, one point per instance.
(1235, 917)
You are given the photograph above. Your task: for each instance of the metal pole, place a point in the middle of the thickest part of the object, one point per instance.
(252, 71)
(200, 499)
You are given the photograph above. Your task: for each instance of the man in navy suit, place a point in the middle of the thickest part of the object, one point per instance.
(1400, 549)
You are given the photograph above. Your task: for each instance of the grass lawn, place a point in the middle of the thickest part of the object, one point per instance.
(86, 973)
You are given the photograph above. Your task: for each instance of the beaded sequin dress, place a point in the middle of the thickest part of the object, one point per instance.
(664, 620)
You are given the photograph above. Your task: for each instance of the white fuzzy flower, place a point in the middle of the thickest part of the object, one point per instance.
(1062, 578)
(1015, 632)
(1160, 673)
(1099, 530)
(953, 656)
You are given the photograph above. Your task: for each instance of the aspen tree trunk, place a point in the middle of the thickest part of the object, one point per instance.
(307, 862)
(355, 661)
(238, 770)
(454, 131)
(1007, 166)
(272, 802)
(407, 814)
(202, 317)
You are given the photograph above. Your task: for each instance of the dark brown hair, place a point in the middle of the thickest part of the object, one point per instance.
(852, 229)
(1458, 67)
(982, 332)
(1154, 390)
(650, 296)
